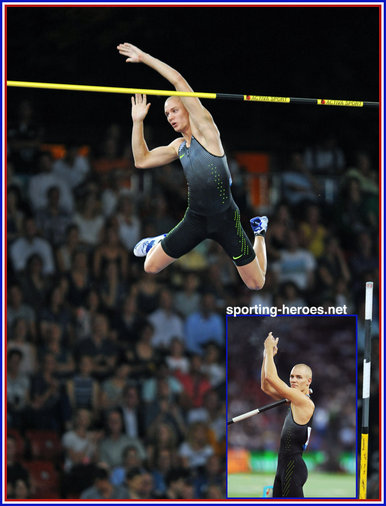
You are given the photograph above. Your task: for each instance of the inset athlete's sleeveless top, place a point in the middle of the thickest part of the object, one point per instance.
(294, 437)
(208, 179)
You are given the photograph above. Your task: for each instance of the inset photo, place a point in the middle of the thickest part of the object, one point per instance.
(292, 407)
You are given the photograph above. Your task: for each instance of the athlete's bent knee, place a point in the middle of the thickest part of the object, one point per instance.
(151, 268)
(255, 283)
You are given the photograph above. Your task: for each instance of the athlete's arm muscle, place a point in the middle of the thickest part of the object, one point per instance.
(201, 120)
(143, 157)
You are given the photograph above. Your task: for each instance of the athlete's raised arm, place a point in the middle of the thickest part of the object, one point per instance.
(297, 395)
(200, 118)
(266, 387)
(143, 157)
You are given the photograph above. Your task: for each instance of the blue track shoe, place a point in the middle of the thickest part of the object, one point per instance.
(259, 224)
(142, 248)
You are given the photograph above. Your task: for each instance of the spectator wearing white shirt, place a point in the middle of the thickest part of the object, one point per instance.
(73, 168)
(167, 324)
(295, 264)
(45, 179)
(89, 220)
(30, 243)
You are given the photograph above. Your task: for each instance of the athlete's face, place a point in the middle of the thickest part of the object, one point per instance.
(300, 378)
(176, 114)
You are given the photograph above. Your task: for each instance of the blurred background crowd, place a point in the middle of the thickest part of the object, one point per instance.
(116, 379)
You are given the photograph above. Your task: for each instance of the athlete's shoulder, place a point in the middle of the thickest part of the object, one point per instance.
(177, 144)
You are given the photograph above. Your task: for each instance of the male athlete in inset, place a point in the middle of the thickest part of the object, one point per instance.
(291, 473)
(212, 212)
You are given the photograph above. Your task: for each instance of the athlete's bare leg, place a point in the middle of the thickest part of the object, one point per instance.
(157, 260)
(253, 274)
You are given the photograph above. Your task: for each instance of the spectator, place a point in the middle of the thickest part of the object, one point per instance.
(45, 179)
(162, 219)
(112, 288)
(298, 183)
(175, 483)
(65, 253)
(29, 244)
(80, 443)
(112, 445)
(84, 314)
(51, 220)
(18, 385)
(47, 405)
(160, 437)
(17, 308)
(139, 484)
(163, 410)
(89, 220)
(24, 138)
(35, 284)
(103, 489)
(203, 326)
(161, 383)
(212, 412)
(22, 490)
(325, 157)
(166, 322)
(73, 168)
(80, 280)
(331, 267)
(164, 463)
(129, 224)
(110, 250)
(295, 264)
(364, 173)
(56, 311)
(132, 412)
(112, 387)
(212, 366)
(142, 356)
(364, 258)
(194, 383)
(15, 215)
(177, 360)
(353, 213)
(147, 292)
(278, 226)
(291, 295)
(53, 343)
(128, 322)
(15, 471)
(131, 459)
(312, 232)
(195, 451)
(187, 300)
(211, 476)
(19, 339)
(83, 390)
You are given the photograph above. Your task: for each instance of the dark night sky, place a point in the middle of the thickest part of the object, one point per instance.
(318, 52)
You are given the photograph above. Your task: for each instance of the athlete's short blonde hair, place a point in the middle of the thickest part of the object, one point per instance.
(307, 369)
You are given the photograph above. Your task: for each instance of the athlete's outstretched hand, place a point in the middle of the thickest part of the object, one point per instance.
(271, 343)
(133, 53)
(139, 107)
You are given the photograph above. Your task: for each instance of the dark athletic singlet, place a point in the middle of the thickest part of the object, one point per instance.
(212, 213)
(294, 437)
(291, 471)
(208, 179)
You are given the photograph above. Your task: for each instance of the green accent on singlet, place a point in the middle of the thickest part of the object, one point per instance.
(208, 179)
(244, 248)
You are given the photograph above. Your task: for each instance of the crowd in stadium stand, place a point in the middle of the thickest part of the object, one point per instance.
(116, 382)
